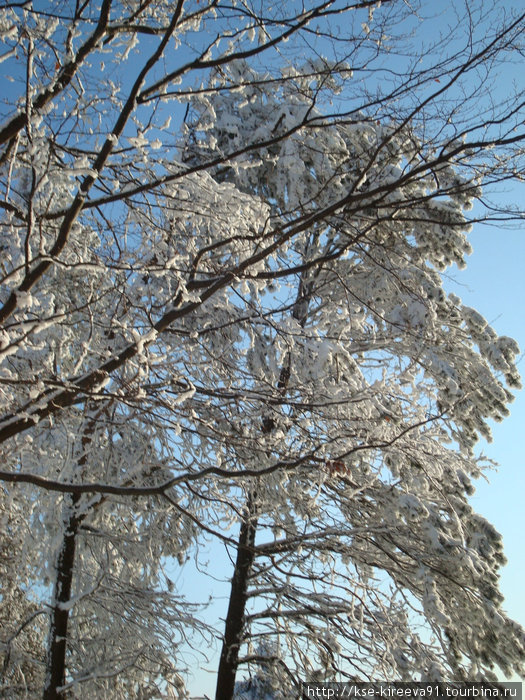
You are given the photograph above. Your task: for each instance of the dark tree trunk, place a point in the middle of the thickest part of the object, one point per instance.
(234, 626)
(65, 568)
(236, 609)
(56, 655)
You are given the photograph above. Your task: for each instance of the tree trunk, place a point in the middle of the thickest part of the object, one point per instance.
(246, 546)
(56, 655)
(238, 596)
(57, 640)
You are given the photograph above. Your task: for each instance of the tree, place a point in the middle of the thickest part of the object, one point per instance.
(21, 620)
(114, 624)
(263, 684)
(241, 319)
(370, 431)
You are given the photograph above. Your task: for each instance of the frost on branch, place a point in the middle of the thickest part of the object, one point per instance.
(223, 319)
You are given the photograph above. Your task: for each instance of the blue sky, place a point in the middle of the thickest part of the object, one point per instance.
(494, 284)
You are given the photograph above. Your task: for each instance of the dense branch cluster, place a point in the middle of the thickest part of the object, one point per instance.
(223, 231)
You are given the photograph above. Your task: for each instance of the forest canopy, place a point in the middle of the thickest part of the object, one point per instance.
(224, 228)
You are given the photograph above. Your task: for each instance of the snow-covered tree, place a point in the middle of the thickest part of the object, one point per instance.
(22, 628)
(114, 624)
(264, 683)
(371, 373)
(223, 232)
